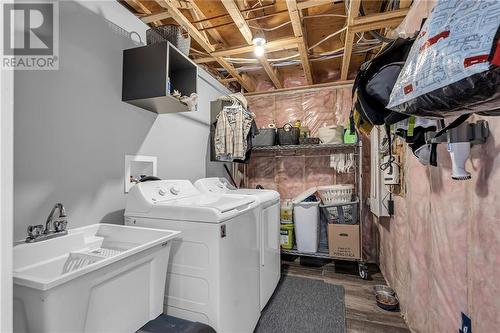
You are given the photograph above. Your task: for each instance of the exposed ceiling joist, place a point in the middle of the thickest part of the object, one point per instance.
(184, 22)
(349, 38)
(378, 21)
(244, 29)
(231, 79)
(248, 81)
(198, 15)
(346, 59)
(204, 60)
(297, 31)
(273, 73)
(313, 3)
(156, 17)
(140, 8)
(380, 17)
(218, 43)
(357, 24)
(204, 43)
(272, 46)
(238, 19)
(336, 84)
(405, 3)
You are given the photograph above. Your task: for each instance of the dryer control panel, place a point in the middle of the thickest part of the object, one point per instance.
(143, 195)
(164, 190)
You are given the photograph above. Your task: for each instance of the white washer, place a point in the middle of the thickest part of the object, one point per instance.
(213, 276)
(269, 230)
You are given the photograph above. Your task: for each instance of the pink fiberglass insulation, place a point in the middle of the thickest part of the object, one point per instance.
(292, 175)
(441, 251)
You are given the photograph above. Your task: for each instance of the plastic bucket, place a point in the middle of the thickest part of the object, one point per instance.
(286, 236)
(306, 220)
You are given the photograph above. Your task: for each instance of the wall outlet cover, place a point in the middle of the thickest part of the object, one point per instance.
(137, 166)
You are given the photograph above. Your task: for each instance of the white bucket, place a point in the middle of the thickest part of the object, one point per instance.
(306, 219)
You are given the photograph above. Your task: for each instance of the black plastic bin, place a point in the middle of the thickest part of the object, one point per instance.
(266, 137)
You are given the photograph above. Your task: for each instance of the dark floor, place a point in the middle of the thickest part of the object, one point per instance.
(362, 314)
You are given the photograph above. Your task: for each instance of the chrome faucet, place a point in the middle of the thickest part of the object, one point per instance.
(60, 223)
(54, 227)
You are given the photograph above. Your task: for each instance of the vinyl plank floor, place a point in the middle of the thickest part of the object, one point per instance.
(362, 313)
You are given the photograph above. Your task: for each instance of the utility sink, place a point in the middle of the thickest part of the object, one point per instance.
(99, 278)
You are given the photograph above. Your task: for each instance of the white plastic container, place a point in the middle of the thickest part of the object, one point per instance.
(99, 278)
(306, 219)
(331, 134)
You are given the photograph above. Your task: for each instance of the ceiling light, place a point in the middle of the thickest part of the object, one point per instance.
(259, 40)
(258, 50)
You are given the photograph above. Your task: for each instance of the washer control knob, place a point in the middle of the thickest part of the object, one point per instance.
(162, 191)
(175, 190)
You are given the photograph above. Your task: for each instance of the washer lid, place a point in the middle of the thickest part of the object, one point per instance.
(222, 203)
(262, 195)
(207, 208)
(222, 185)
(180, 200)
(214, 185)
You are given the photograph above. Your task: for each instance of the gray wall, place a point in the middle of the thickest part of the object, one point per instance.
(72, 130)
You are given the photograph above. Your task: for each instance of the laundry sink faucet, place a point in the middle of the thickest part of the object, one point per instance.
(55, 226)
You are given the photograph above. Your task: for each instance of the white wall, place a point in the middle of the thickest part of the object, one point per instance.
(181, 140)
(6, 194)
(72, 130)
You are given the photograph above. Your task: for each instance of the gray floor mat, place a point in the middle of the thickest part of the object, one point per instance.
(302, 305)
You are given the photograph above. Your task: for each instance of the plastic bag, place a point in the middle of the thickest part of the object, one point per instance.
(451, 68)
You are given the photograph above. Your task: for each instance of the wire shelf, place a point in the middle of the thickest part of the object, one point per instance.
(297, 147)
(323, 255)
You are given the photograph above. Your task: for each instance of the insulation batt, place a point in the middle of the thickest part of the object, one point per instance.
(441, 251)
(292, 175)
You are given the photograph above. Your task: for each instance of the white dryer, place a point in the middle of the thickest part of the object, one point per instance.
(269, 230)
(213, 276)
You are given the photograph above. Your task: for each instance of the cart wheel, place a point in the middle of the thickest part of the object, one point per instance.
(363, 270)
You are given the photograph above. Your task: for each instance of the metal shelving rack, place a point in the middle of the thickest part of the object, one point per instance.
(300, 150)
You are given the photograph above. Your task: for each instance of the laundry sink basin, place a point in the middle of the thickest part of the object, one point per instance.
(99, 278)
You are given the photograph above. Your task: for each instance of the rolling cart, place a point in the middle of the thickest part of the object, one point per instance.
(322, 150)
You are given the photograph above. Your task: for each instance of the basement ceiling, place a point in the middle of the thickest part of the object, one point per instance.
(308, 42)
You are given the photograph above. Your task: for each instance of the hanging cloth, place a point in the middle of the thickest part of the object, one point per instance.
(233, 127)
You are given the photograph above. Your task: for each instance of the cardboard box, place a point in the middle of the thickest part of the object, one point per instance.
(343, 241)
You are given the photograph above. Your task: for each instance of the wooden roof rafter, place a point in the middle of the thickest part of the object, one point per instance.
(216, 42)
(139, 7)
(182, 20)
(357, 24)
(349, 38)
(198, 15)
(294, 13)
(244, 28)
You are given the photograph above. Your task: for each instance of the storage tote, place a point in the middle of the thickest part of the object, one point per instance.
(266, 137)
(336, 193)
(306, 220)
(341, 213)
